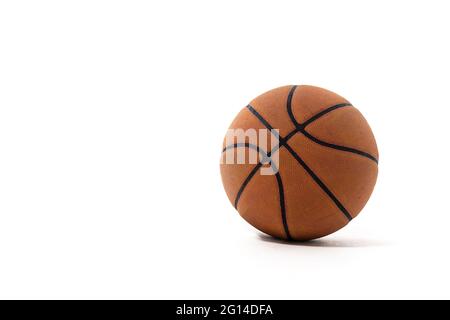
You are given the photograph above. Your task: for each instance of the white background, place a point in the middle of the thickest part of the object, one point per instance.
(112, 115)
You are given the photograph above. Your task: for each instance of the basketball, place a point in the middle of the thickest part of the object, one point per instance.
(299, 162)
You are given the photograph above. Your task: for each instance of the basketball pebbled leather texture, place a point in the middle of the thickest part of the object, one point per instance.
(328, 164)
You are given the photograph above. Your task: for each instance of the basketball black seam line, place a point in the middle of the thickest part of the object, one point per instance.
(264, 122)
(289, 107)
(266, 156)
(246, 145)
(282, 205)
(246, 181)
(307, 169)
(314, 117)
(301, 127)
(324, 112)
(338, 147)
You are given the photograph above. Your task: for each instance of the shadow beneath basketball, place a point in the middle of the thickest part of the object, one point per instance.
(326, 243)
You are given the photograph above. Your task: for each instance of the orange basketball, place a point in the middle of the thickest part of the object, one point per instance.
(315, 178)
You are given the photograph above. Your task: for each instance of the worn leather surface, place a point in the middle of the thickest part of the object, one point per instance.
(308, 210)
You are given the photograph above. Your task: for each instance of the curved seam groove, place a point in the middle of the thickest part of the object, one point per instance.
(289, 106)
(250, 176)
(283, 206)
(338, 147)
(249, 146)
(265, 156)
(245, 183)
(324, 112)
